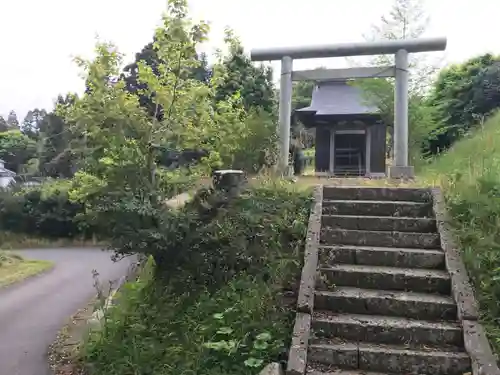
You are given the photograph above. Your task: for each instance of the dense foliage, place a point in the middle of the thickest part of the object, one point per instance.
(223, 310)
(44, 212)
(464, 95)
(136, 138)
(253, 83)
(121, 182)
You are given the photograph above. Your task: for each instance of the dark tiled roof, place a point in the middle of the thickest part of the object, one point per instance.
(338, 98)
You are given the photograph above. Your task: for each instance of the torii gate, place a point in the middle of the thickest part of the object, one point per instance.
(400, 48)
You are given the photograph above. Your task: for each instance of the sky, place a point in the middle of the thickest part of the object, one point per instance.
(38, 39)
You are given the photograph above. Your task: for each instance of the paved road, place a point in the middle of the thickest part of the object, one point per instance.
(33, 311)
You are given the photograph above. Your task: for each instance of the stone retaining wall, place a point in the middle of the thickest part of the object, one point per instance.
(297, 357)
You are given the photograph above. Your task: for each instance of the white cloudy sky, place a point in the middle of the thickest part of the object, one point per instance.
(38, 38)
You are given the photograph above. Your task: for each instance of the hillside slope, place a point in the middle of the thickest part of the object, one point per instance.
(470, 177)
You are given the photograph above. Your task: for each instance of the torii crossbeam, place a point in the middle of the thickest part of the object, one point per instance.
(400, 48)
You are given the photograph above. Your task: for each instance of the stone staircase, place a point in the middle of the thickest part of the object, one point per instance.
(382, 292)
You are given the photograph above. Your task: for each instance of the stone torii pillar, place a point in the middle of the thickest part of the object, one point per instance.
(400, 48)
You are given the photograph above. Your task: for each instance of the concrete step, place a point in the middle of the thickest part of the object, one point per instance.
(380, 239)
(379, 223)
(382, 256)
(386, 278)
(386, 329)
(374, 193)
(377, 208)
(350, 300)
(388, 359)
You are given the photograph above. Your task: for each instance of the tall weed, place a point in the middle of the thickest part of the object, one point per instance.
(470, 177)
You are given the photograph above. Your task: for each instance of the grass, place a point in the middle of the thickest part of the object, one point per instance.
(235, 325)
(469, 175)
(14, 268)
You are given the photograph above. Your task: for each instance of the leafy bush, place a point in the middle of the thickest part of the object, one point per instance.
(257, 147)
(470, 176)
(221, 308)
(208, 239)
(58, 209)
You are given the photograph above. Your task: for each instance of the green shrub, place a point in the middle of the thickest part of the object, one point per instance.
(53, 210)
(257, 148)
(36, 213)
(222, 309)
(208, 239)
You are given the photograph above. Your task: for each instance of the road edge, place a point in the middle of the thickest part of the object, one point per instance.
(63, 353)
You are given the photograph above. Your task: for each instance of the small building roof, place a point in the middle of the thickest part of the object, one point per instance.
(338, 98)
(4, 172)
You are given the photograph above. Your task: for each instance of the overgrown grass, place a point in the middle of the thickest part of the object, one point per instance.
(14, 268)
(233, 327)
(470, 177)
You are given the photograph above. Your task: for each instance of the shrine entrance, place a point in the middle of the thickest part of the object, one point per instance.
(330, 110)
(349, 153)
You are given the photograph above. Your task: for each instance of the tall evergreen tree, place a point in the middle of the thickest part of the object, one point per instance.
(32, 122)
(56, 155)
(12, 121)
(3, 125)
(254, 83)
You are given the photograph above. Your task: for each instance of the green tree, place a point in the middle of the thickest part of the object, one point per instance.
(302, 94)
(12, 121)
(149, 56)
(301, 98)
(257, 146)
(120, 181)
(56, 154)
(464, 95)
(16, 149)
(253, 83)
(32, 122)
(3, 125)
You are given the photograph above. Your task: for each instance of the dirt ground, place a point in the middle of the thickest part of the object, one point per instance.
(63, 353)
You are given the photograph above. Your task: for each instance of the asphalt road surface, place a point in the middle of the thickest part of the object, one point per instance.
(32, 312)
